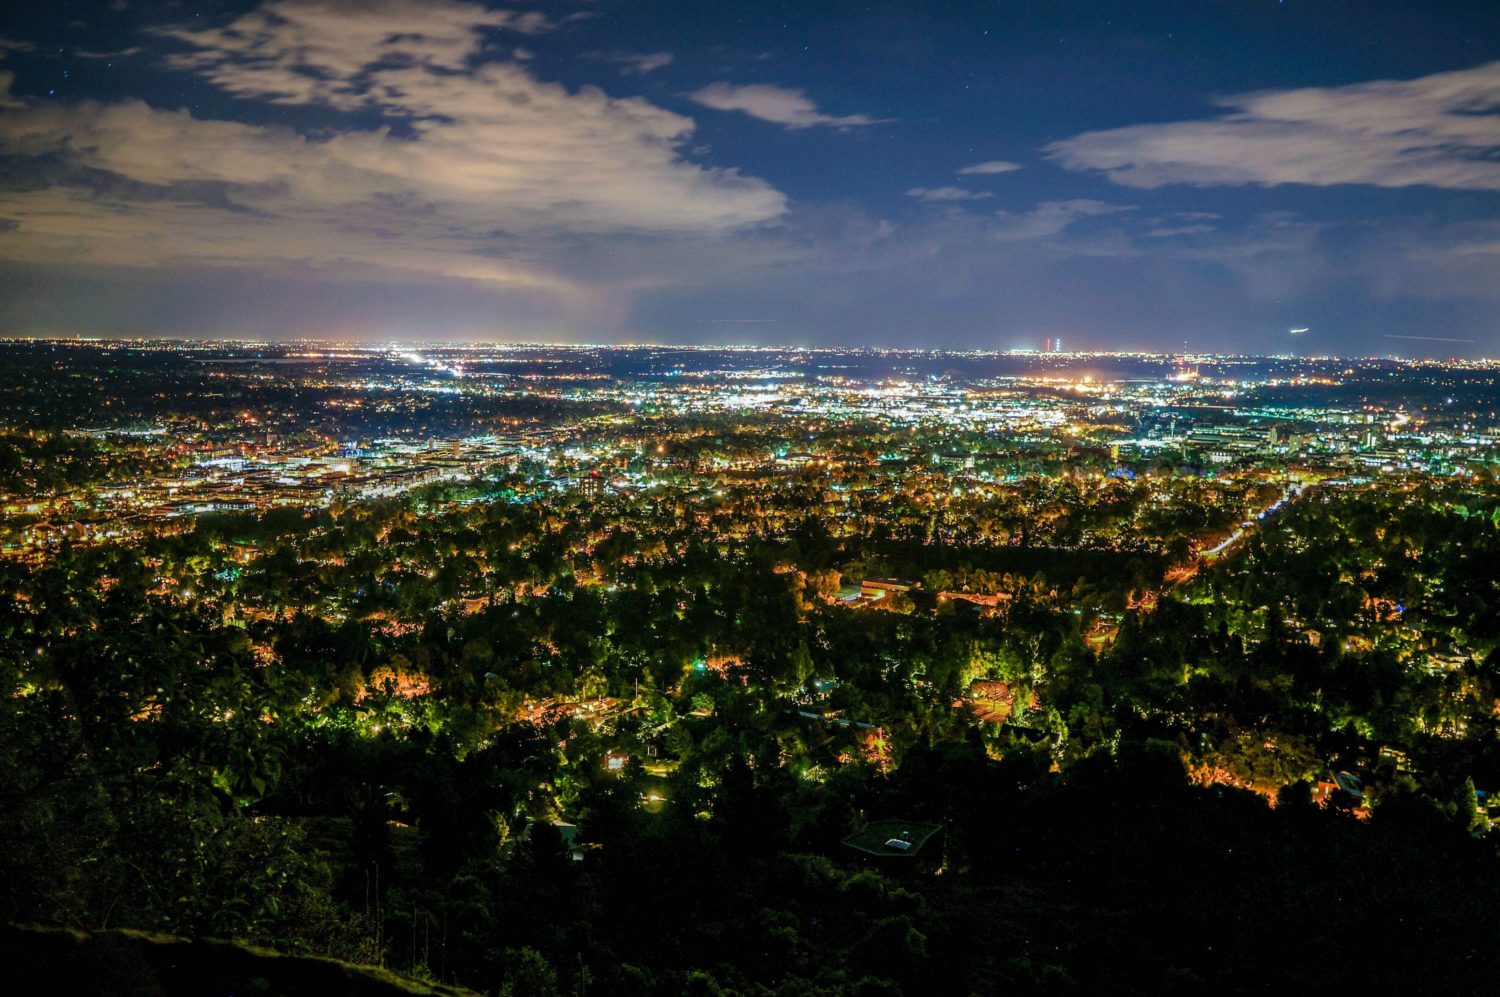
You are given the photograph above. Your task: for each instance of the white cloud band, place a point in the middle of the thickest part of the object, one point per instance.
(777, 105)
(1440, 131)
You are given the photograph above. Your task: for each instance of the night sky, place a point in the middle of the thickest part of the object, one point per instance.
(970, 175)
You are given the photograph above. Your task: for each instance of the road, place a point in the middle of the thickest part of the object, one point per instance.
(1249, 525)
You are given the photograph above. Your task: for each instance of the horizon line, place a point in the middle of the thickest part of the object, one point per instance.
(385, 346)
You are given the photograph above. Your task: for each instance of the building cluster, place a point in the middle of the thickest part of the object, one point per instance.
(308, 428)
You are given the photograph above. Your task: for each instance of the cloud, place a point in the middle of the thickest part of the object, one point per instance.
(993, 166)
(341, 53)
(947, 194)
(778, 105)
(474, 169)
(1180, 230)
(634, 63)
(123, 53)
(1049, 218)
(7, 78)
(1439, 131)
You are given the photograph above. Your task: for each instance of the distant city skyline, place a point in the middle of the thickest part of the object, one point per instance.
(1251, 178)
(1049, 350)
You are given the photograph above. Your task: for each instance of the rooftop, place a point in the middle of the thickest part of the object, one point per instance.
(877, 837)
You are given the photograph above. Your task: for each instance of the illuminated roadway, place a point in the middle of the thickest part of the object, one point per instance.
(1239, 534)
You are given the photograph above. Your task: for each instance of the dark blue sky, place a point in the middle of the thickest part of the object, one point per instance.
(980, 175)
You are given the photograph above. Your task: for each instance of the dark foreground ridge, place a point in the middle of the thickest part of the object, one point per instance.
(127, 963)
